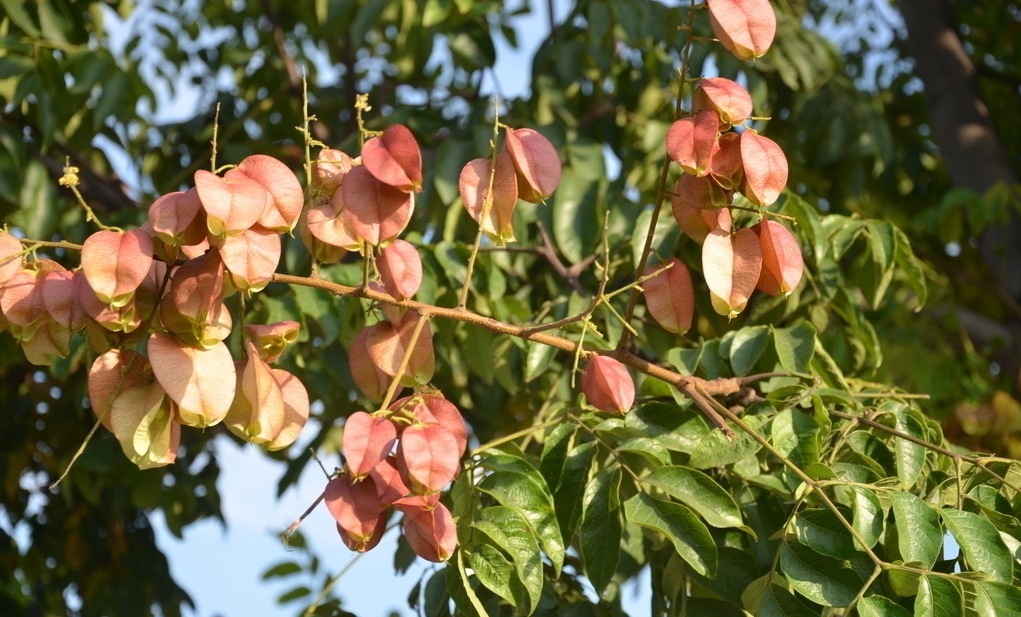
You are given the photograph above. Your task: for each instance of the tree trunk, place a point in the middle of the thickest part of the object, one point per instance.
(960, 121)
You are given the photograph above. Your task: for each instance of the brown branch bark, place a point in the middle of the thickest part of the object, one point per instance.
(689, 385)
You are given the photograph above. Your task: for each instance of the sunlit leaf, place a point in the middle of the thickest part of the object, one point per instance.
(680, 526)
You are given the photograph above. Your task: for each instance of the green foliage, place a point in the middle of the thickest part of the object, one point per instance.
(837, 490)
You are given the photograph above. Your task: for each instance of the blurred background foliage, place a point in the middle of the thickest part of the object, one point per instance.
(127, 92)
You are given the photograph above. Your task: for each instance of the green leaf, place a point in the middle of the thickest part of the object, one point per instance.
(735, 573)
(568, 494)
(452, 262)
(680, 526)
(17, 14)
(997, 599)
(699, 492)
(716, 450)
(874, 453)
(493, 568)
(15, 65)
(825, 367)
(910, 456)
(881, 606)
(868, 515)
(821, 530)
(115, 91)
(461, 590)
(795, 346)
(843, 232)
(649, 449)
(537, 359)
(284, 568)
(911, 267)
(514, 535)
(919, 536)
(821, 579)
(601, 527)
(746, 348)
(882, 242)
(666, 235)
(938, 597)
(294, 594)
(795, 435)
(809, 223)
(554, 452)
(528, 494)
(778, 602)
(980, 542)
(875, 279)
(576, 225)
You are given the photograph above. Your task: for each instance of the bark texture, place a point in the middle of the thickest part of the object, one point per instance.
(960, 121)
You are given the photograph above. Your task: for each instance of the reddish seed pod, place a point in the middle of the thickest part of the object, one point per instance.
(428, 457)
(10, 256)
(727, 168)
(178, 219)
(374, 212)
(367, 441)
(431, 532)
(473, 185)
(782, 264)
(387, 344)
(329, 170)
(607, 385)
(251, 257)
(537, 164)
(355, 507)
(731, 264)
(232, 204)
(690, 141)
(257, 413)
(369, 378)
(434, 409)
(296, 409)
(400, 267)
(726, 97)
(670, 295)
(744, 27)
(285, 197)
(115, 264)
(390, 486)
(765, 168)
(201, 381)
(394, 158)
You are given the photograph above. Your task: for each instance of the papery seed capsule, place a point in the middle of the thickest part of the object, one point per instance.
(607, 385)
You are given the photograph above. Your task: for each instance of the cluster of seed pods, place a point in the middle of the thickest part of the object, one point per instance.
(150, 302)
(716, 161)
(401, 459)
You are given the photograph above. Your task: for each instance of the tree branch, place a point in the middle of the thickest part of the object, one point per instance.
(689, 385)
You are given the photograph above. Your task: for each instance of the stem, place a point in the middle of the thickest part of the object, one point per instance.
(499, 441)
(328, 587)
(661, 191)
(685, 383)
(762, 441)
(487, 206)
(71, 180)
(391, 391)
(216, 133)
(287, 533)
(33, 244)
